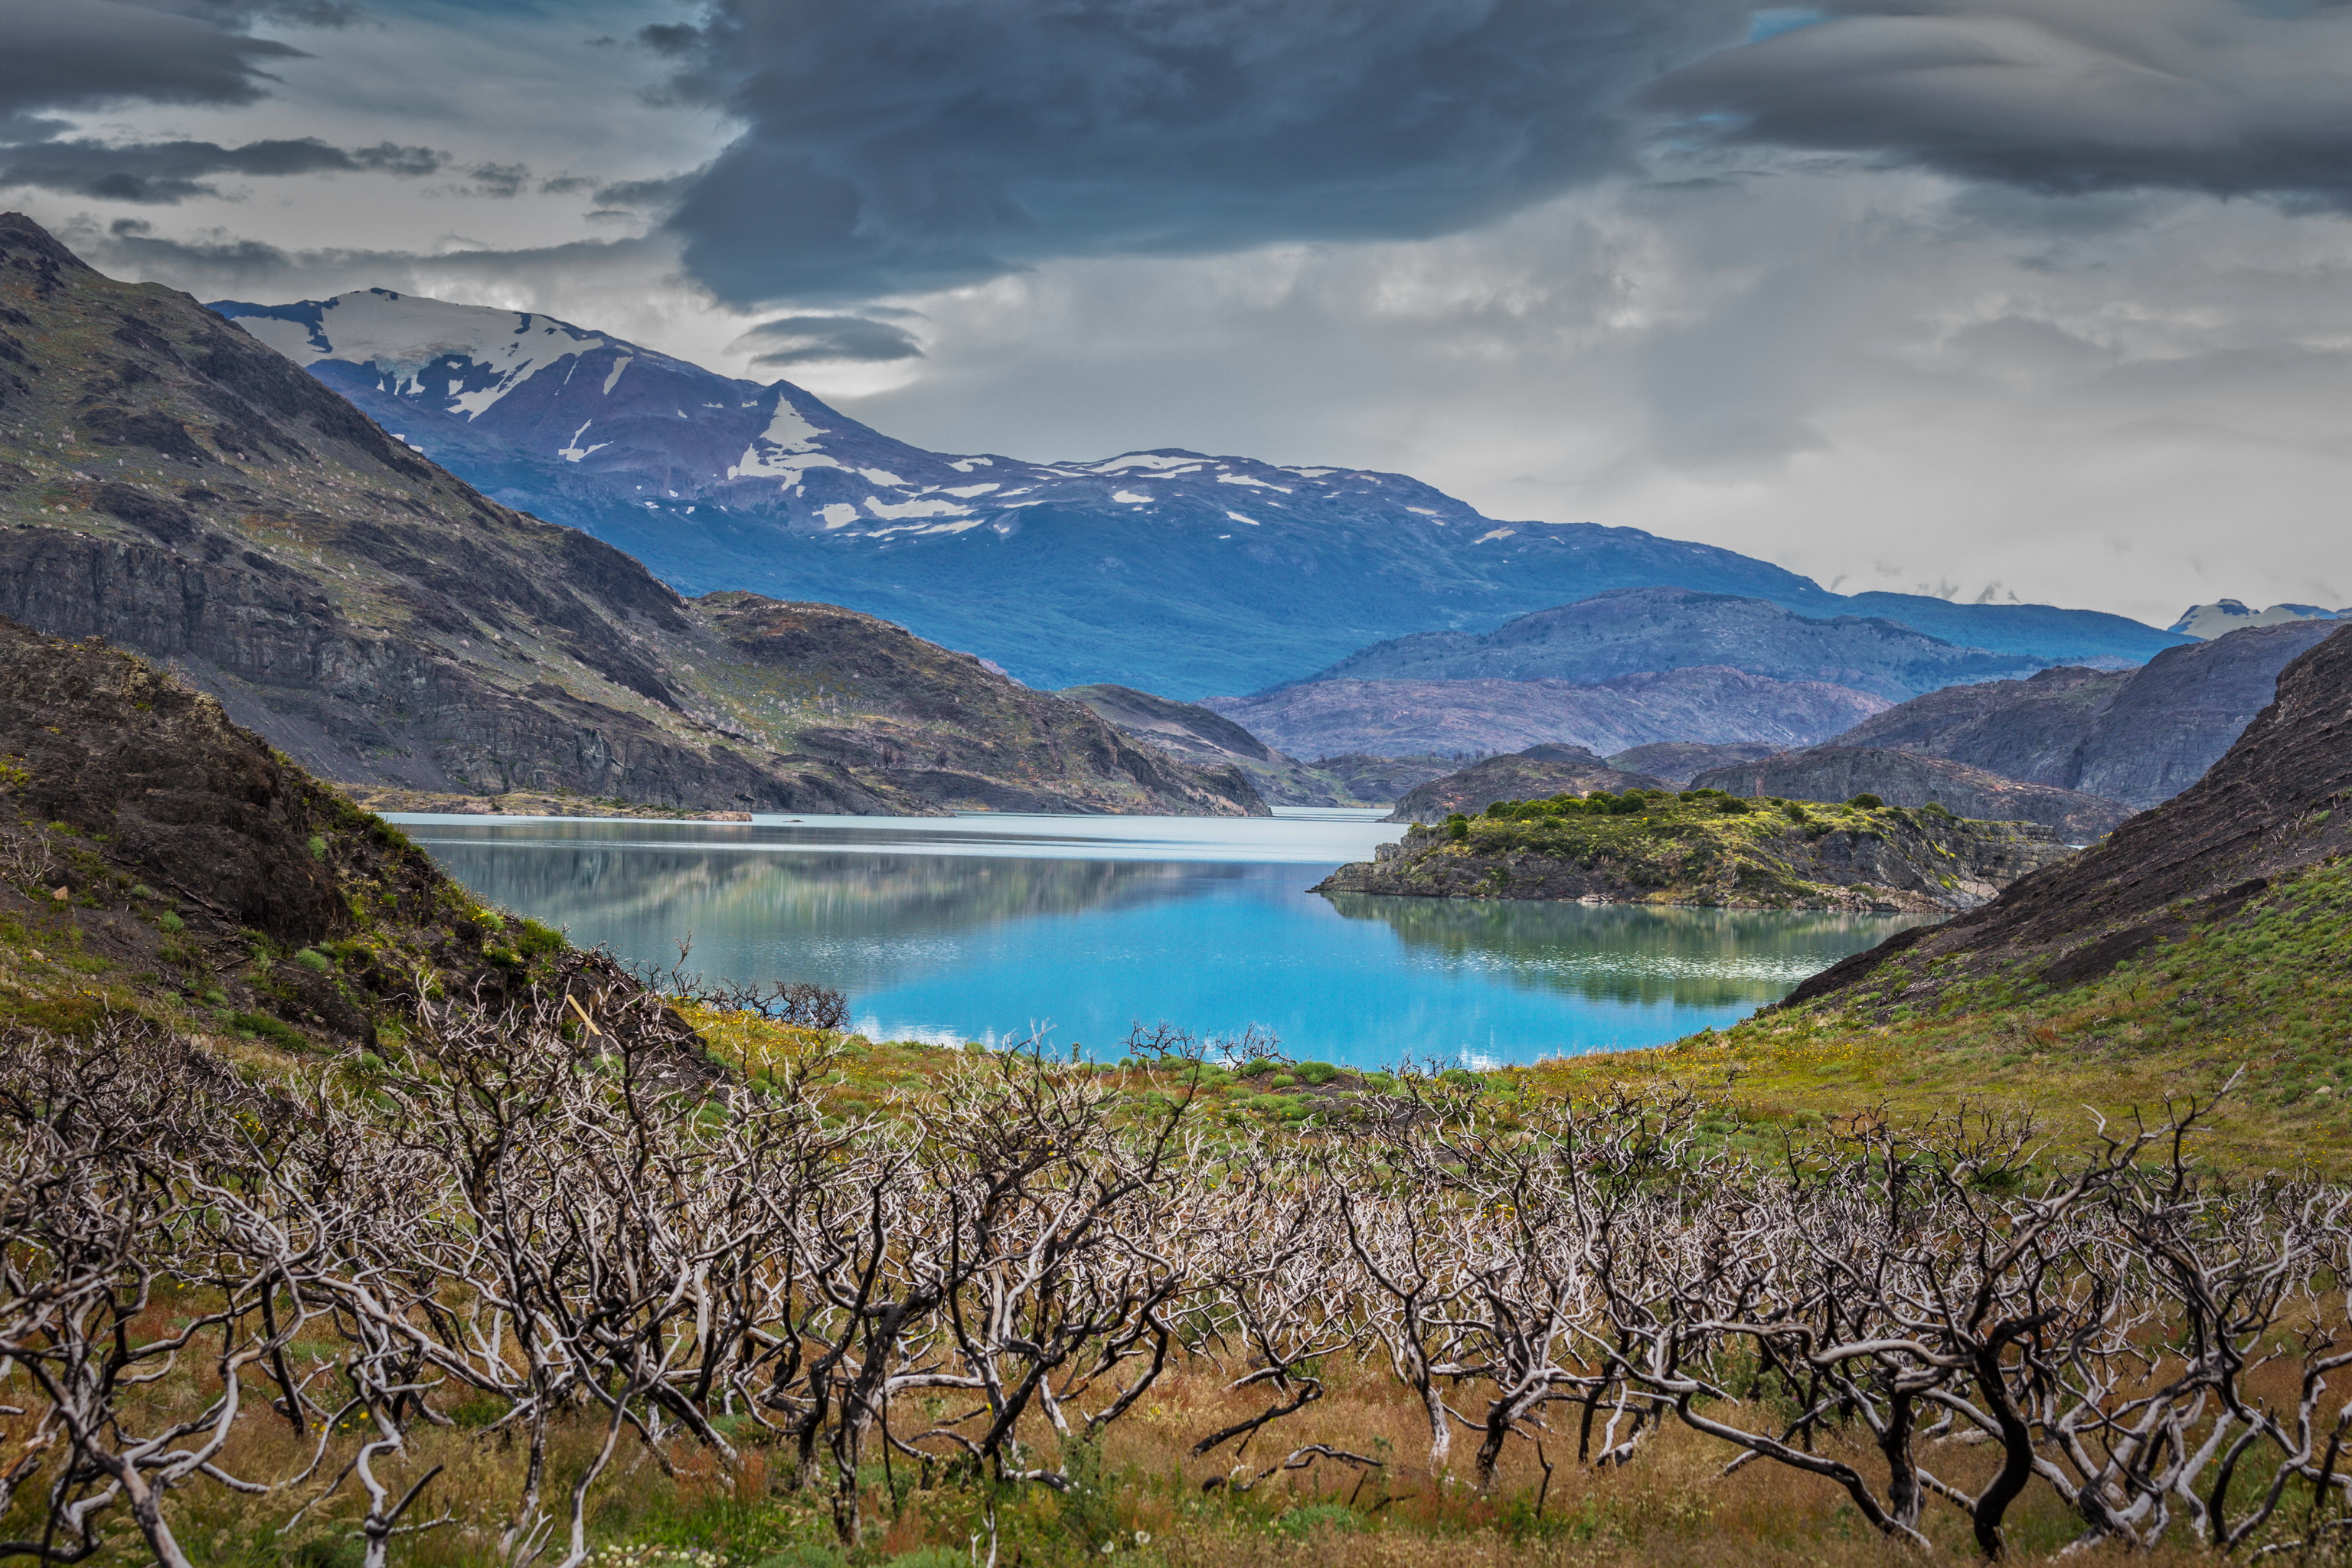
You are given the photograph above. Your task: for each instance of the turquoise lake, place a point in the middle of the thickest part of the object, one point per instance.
(1000, 928)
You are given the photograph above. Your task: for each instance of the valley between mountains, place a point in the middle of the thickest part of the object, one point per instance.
(178, 486)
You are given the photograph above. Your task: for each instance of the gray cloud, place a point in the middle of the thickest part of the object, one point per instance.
(335, 14)
(2061, 95)
(90, 54)
(663, 190)
(213, 265)
(901, 145)
(827, 340)
(500, 180)
(160, 172)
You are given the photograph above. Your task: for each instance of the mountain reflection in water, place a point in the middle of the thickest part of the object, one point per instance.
(989, 929)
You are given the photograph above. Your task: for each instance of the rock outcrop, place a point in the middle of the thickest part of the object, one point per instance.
(1910, 778)
(172, 486)
(2138, 736)
(2271, 808)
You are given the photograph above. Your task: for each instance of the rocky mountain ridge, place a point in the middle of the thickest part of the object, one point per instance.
(1481, 717)
(1164, 570)
(1627, 631)
(1679, 761)
(170, 484)
(2138, 736)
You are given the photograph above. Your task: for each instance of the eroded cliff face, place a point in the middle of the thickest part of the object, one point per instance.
(174, 487)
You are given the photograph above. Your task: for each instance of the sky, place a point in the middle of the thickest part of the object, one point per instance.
(1990, 299)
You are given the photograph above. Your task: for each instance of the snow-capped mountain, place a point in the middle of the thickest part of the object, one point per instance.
(2222, 617)
(1170, 570)
(671, 431)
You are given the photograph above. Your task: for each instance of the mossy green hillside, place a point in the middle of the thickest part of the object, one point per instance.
(2258, 1003)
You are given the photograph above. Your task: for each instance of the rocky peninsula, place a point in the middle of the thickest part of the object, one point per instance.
(1704, 847)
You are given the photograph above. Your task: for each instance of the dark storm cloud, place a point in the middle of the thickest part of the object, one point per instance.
(897, 145)
(827, 340)
(160, 172)
(2065, 96)
(91, 54)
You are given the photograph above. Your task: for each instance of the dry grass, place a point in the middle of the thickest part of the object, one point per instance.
(1671, 1505)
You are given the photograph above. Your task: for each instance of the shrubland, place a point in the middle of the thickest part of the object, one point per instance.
(544, 1281)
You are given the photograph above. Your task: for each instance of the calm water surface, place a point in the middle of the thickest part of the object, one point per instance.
(997, 927)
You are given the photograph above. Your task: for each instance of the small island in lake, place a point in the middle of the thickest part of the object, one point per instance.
(1704, 847)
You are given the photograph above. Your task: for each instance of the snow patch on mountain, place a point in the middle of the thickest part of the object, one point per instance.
(401, 335)
(2206, 622)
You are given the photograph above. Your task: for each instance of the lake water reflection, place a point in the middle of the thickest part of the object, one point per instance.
(992, 927)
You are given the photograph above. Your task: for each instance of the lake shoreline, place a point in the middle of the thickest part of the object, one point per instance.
(1075, 929)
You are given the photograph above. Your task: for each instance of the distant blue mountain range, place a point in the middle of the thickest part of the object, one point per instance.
(1169, 571)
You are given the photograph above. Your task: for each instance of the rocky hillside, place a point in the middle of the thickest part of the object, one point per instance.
(1910, 778)
(170, 484)
(1536, 773)
(1711, 849)
(1679, 761)
(1164, 570)
(2265, 821)
(157, 859)
(939, 724)
(2138, 736)
(1208, 740)
(1406, 718)
(1633, 629)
